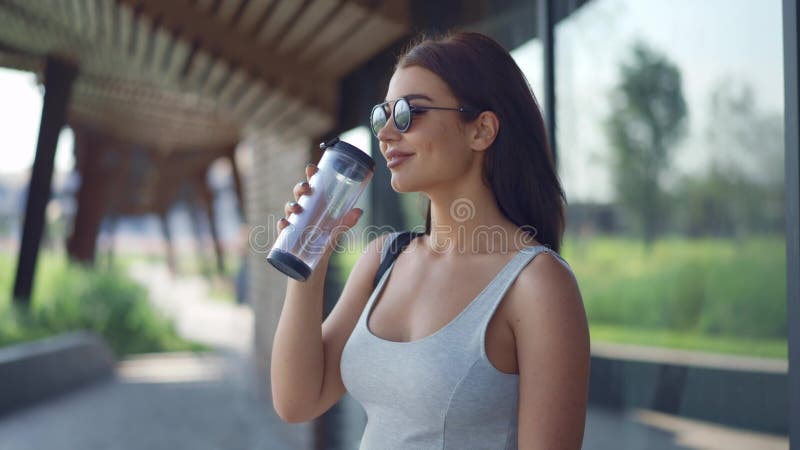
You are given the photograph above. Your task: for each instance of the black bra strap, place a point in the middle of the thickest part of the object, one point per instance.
(400, 242)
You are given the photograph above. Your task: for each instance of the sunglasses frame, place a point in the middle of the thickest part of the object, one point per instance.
(412, 109)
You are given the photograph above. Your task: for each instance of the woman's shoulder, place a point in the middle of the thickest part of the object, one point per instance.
(545, 310)
(546, 283)
(379, 244)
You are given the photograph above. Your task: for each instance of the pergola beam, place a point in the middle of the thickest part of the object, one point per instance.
(303, 81)
(58, 77)
(98, 180)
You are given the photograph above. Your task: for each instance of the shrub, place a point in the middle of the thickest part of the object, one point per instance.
(69, 297)
(712, 286)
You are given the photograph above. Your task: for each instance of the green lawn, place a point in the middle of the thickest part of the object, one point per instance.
(715, 295)
(705, 294)
(765, 348)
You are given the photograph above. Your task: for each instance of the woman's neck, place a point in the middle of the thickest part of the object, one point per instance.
(468, 221)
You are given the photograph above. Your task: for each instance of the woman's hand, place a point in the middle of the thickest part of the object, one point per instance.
(300, 189)
(304, 188)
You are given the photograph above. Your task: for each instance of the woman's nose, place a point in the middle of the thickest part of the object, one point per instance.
(388, 132)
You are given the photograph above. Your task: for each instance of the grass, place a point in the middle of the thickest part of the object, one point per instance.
(703, 294)
(716, 295)
(69, 297)
(716, 287)
(765, 348)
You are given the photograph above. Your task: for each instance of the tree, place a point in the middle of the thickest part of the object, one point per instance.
(648, 118)
(743, 139)
(742, 190)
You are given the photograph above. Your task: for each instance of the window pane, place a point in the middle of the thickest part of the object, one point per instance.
(670, 137)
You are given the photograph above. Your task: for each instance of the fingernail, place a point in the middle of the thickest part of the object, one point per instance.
(305, 184)
(292, 204)
(309, 165)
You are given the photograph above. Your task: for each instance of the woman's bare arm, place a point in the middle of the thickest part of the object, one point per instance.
(552, 339)
(305, 375)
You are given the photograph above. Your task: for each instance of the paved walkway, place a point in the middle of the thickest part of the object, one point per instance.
(212, 401)
(167, 401)
(648, 430)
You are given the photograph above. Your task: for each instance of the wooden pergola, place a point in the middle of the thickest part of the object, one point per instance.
(157, 90)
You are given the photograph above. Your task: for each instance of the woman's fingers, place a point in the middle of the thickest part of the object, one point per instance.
(300, 189)
(311, 169)
(351, 218)
(347, 222)
(282, 223)
(292, 208)
(289, 208)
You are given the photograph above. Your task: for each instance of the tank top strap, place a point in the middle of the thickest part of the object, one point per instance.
(489, 299)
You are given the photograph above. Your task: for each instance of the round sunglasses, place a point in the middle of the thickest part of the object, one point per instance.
(401, 113)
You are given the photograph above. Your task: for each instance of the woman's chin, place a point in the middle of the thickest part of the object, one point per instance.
(402, 188)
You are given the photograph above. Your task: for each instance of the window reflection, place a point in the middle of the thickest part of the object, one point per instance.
(670, 138)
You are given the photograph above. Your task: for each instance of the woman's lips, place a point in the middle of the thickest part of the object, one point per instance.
(395, 157)
(397, 160)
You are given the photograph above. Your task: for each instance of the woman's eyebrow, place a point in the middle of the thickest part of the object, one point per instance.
(411, 97)
(418, 96)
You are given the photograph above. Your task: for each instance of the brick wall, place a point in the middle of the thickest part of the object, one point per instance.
(271, 166)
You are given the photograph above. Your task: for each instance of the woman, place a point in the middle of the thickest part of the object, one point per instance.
(432, 353)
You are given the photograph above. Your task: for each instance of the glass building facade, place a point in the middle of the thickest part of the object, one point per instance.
(670, 138)
(677, 149)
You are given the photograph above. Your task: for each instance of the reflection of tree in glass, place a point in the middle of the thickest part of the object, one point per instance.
(647, 120)
(742, 191)
(743, 139)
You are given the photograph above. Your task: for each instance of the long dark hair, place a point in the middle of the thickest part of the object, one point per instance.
(519, 166)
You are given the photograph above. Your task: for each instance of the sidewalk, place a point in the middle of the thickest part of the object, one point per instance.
(648, 430)
(167, 401)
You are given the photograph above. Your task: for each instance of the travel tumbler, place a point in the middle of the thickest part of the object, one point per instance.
(344, 172)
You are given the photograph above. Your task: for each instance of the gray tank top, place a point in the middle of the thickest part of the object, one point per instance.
(441, 391)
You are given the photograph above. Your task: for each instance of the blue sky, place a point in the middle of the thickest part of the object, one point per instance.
(709, 41)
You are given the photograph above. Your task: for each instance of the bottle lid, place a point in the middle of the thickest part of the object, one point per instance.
(357, 154)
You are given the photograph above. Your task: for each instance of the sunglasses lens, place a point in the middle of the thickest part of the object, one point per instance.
(402, 115)
(378, 119)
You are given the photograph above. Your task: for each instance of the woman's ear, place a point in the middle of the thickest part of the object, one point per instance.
(484, 131)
